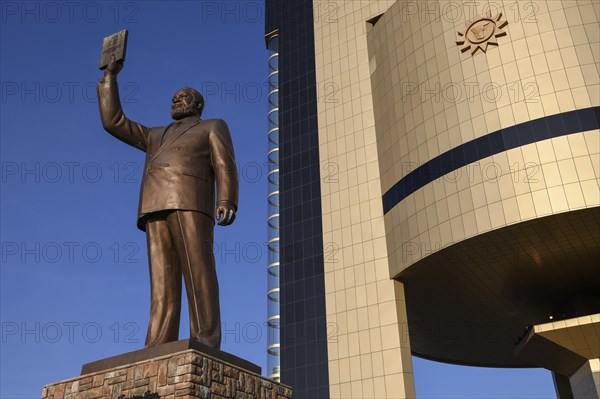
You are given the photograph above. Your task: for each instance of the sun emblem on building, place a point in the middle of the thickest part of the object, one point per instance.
(481, 32)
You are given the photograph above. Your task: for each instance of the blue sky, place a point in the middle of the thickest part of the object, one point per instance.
(73, 279)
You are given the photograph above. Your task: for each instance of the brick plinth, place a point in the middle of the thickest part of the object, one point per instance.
(184, 375)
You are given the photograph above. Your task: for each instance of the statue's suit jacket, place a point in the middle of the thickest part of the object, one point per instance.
(182, 164)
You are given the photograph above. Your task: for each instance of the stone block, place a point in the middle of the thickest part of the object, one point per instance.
(187, 374)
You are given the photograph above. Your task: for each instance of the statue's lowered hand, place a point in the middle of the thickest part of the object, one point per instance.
(225, 214)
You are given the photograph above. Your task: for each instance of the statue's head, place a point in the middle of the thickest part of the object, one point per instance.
(187, 102)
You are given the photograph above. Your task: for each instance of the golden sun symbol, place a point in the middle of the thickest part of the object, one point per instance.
(481, 32)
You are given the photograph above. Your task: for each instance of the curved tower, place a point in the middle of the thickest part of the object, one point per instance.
(273, 320)
(487, 145)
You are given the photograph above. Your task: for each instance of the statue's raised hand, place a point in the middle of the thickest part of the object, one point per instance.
(113, 68)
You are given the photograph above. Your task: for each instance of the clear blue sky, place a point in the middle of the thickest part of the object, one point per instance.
(74, 279)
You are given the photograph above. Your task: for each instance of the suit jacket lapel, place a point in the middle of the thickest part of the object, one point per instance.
(165, 130)
(172, 138)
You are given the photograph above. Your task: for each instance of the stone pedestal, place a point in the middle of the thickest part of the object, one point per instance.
(187, 374)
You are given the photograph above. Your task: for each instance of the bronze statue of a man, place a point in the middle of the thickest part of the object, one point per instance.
(177, 207)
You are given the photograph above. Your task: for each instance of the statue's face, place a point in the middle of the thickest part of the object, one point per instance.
(184, 104)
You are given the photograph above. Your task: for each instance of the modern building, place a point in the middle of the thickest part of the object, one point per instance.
(273, 265)
(439, 169)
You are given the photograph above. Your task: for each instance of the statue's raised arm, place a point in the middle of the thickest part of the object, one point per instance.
(114, 120)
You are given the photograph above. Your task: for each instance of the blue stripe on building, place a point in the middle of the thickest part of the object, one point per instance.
(502, 140)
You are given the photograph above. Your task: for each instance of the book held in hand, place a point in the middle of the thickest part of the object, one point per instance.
(113, 46)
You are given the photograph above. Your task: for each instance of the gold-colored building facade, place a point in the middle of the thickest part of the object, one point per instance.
(460, 168)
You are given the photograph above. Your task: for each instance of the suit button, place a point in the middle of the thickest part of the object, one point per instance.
(165, 165)
(149, 167)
